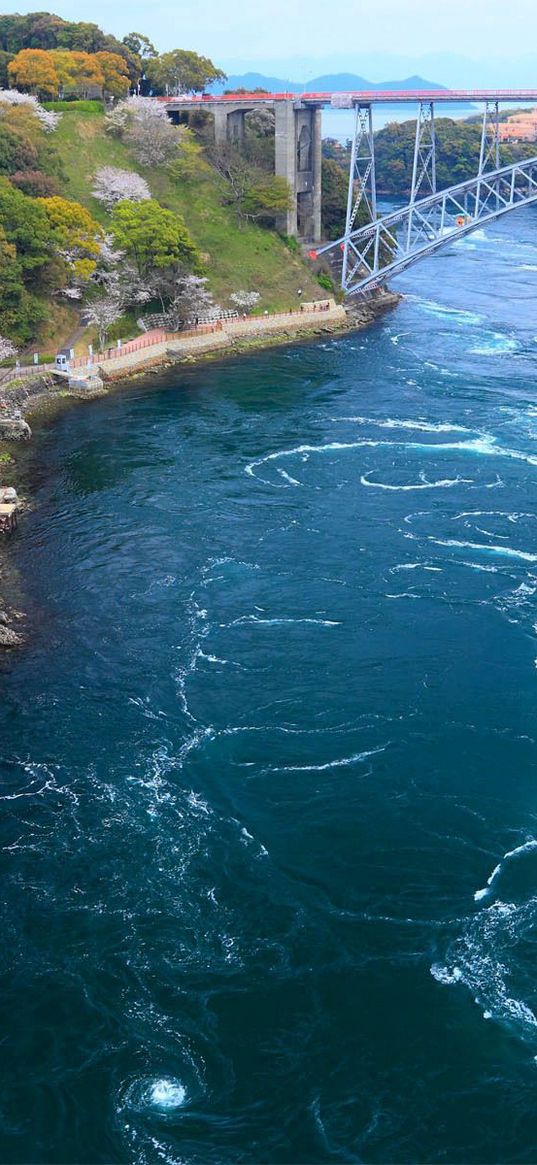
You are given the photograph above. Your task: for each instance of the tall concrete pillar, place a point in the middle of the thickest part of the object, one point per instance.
(317, 173)
(220, 125)
(285, 146)
(235, 125)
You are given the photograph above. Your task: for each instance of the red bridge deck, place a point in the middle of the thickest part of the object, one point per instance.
(365, 97)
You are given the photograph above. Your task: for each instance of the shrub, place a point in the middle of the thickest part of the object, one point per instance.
(75, 105)
(325, 281)
(35, 183)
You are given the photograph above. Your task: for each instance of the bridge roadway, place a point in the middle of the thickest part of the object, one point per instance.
(362, 97)
(371, 253)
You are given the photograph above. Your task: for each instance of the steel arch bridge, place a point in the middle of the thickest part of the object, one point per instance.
(431, 220)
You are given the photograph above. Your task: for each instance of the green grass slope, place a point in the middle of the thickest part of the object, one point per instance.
(235, 257)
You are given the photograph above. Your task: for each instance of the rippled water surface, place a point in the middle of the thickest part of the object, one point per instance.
(268, 781)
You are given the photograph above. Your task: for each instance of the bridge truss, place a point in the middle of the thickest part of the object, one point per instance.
(387, 245)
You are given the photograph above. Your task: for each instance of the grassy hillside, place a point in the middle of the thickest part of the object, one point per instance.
(235, 257)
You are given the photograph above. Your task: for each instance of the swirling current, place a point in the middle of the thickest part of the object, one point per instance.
(269, 829)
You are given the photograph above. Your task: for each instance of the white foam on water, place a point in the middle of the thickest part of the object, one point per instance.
(403, 595)
(281, 621)
(444, 975)
(167, 1093)
(342, 762)
(160, 1094)
(526, 847)
(511, 515)
(480, 566)
(305, 450)
(442, 311)
(396, 423)
(484, 960)
(443, 483)
(415, 566)
(485, 446)
(287, 477)
(506, 551)
(498, 345)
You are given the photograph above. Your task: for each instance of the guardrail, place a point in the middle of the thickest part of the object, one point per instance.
(160, 336)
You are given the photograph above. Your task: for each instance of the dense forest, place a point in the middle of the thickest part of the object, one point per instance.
(457, 153)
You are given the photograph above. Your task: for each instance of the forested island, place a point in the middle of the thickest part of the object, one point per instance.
(457, 153)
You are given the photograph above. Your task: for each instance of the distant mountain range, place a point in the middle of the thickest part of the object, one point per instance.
(329, 83)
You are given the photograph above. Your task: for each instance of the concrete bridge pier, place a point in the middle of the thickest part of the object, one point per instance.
(298, 160)
(297, 157)
(228, 125)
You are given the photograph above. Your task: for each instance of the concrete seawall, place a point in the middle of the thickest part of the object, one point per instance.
(328, 316)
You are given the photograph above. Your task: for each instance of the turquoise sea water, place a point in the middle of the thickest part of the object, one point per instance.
(269, 829)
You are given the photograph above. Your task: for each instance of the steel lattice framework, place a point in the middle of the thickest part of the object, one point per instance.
(386, 246)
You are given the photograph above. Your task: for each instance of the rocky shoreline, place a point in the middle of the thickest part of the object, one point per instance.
(41, 395)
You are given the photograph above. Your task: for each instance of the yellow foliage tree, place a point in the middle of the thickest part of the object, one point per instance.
(78, 73)
(33, 70)
(77, 234)
(116, 80)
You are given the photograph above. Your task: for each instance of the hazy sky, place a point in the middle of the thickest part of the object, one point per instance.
(238, 33)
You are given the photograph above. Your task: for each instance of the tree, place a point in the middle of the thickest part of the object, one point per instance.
(6, 348)
(181, 71)
(11, 97)
(34, 183)
(153, 237)
(116, 79)
(17, 151)
(5, 59)
(334, 186)
(245, 300)
(154, 139)
(113, 185)
(132, 60)
(118, 278)
(78, 73)
(25, 228)
(81, 37)
(190, 301)
(102, 313)
(140, 45)
(25, 254)
(76, 234)
(145, 125)
(256, 195)
(33, 69)
(42, 31)
(189, 163)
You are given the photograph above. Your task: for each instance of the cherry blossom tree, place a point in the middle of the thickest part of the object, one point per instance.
(113, 185)
(144, 124)
(118, 278)
(101, 314)
(245, 300)
(192, 300)
(48, 119)
(6, 348)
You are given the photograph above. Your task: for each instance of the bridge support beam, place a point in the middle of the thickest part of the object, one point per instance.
(228, 125)
(362, 190)
(489, 155)
(424, 167)
(297, 158)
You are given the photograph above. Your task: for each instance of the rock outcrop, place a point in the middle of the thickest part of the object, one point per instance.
(14, 429)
